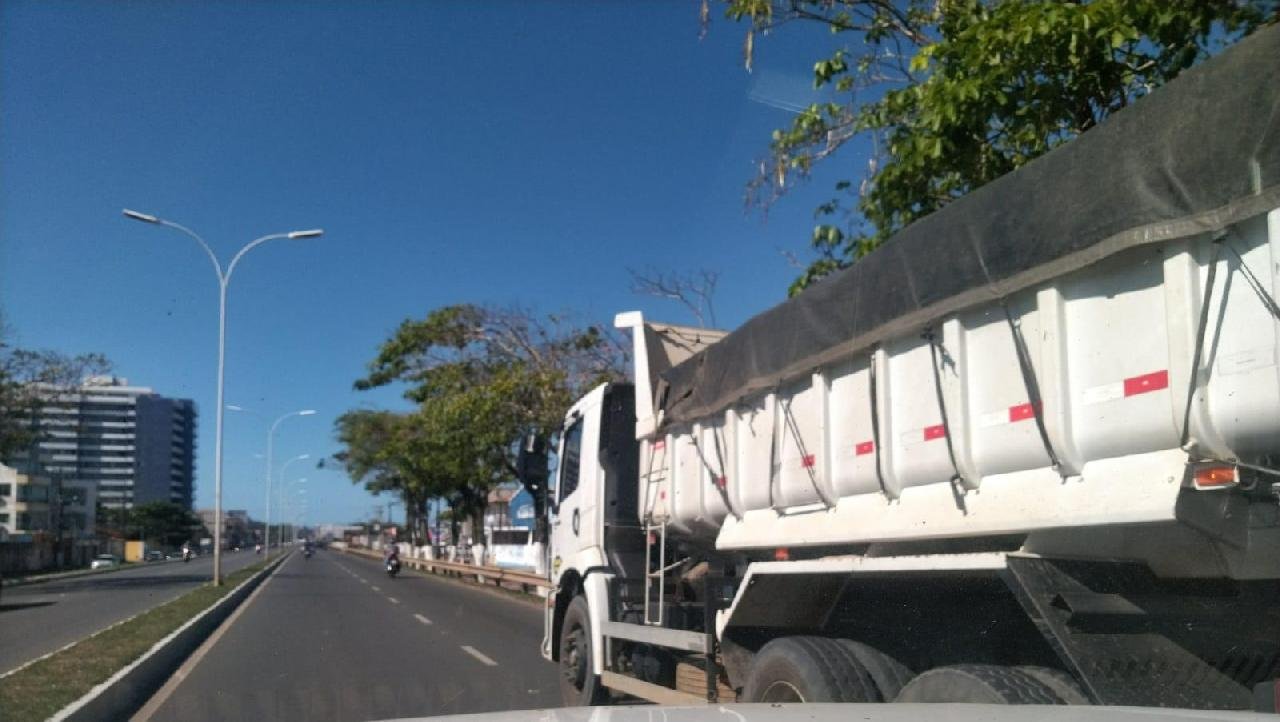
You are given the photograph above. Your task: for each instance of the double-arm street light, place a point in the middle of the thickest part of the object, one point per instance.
(271, 435)
(301, 491)
(224, 278)
(280, 492)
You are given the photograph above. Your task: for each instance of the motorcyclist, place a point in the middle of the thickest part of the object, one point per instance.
(186, 551)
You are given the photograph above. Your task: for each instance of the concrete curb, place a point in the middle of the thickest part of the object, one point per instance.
(126, 691)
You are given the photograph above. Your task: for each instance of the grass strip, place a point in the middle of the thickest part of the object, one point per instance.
(39, 691)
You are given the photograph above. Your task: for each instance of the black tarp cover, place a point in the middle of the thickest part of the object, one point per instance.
(1195, 156)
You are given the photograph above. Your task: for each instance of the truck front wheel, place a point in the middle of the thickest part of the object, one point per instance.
(579, 685)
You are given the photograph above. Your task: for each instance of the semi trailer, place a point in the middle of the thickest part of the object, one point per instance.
(1025, 452)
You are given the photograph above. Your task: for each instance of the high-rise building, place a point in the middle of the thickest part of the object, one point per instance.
(132, 444)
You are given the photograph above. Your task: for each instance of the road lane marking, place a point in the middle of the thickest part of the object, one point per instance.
(479, 655)
(376, 588)
(422, 619)
(171, 685)
(393, 600)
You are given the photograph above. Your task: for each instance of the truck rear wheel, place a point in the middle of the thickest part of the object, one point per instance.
(579, 685)
(809, 669)
(1063, 684)
(980, 683)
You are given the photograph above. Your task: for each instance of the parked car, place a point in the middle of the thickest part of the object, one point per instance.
(104, 561)
(154, 556)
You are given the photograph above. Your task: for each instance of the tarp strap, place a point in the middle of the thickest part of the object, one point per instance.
(773, 448)
(957, 481)
(1032, 385)
(714, 475)
(810, 468)
(875, 422)
(1267, 299)
(1202, 327)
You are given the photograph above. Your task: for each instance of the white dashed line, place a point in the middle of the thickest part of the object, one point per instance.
(479, 655)
(422, 619)
(376, 589)
(393, 600)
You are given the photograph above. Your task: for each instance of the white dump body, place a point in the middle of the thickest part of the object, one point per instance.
(1111, 347)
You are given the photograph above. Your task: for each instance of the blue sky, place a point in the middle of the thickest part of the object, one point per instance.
(504, 152)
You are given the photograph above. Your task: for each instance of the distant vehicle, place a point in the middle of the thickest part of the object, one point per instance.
(104, 561)
(154, 556)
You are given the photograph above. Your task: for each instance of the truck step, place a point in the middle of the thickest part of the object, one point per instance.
(692, 679)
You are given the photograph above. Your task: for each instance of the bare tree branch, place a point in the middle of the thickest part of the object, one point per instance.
(695, 291)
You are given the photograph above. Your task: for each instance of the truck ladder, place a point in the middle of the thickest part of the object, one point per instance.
(655, 578)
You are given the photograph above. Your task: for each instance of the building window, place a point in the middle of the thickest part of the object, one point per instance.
(33, 521)
(30, 492)
(4, 518)
(6, 489)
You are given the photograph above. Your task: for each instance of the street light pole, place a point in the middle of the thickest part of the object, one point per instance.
(271, 431)
(224, 280)
(281, 500)
(279, 491)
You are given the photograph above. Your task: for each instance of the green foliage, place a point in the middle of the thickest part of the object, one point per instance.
(22, 374)
(164, 522)
(955, 93)
(481, 378)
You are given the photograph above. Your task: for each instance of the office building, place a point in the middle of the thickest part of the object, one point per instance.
(132, 445)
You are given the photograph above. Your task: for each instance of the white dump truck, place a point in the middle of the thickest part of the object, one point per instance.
(1025, 452)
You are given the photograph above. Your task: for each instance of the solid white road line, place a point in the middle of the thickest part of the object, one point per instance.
(422, 619)
(171, 685)
(479, 655)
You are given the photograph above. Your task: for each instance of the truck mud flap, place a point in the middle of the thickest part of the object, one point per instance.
(1133, 639)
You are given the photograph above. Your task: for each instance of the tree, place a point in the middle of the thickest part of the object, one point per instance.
(695, 291)
(482, 378)
(26, 379)
(391, 452)
(164, 522)
(952, 94)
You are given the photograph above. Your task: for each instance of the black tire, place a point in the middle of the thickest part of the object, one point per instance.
(579, 685)
(809, 669)
(978, 683)
(888, 674)
(1062, 684)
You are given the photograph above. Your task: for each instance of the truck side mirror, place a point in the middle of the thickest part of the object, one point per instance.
(531, 466)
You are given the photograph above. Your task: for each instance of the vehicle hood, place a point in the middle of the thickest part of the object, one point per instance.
(860, 712)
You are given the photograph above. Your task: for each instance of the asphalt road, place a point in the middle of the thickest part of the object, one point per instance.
(332, 638)
(36, 619)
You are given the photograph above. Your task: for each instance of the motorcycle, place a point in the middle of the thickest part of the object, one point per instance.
(306, 553)
(186, 555)
(393, 567)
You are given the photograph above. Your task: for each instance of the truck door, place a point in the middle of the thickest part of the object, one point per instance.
(575, 527)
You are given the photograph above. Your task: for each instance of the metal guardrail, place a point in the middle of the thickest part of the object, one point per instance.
(501, 577)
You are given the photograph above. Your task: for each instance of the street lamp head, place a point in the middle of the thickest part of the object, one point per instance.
(313, 233)
(144, 217)
(303, 456)
(307, 412)
(233, 407)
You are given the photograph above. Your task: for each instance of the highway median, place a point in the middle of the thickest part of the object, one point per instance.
(112, 672)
